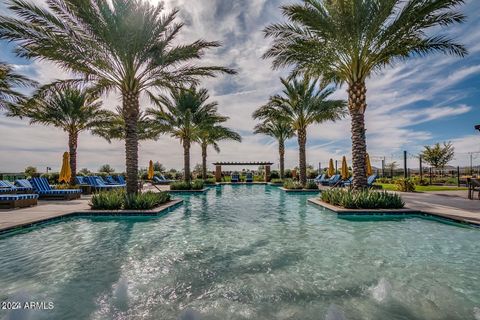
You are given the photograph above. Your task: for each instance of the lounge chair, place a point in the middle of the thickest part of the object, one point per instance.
(98, 184)
(81, 181)
(111, 181)
(121, 180)
(371, 180)
(348, 182)
(320, 179)
(41, 186)
(161, 180)
(332, 181)
(249, 177)
(8, 187)
(11, 201)
(235, 178)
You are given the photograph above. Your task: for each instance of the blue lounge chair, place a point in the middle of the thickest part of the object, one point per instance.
(98, 184)
(121, 180)
(161, 180)
(348, 182)
(334, 180)
(320, 179)
(41, 186)
(11, 201)
(18, 189)
(371, 180)
(111, 181)
(235, 177)
(6, 189)
(81, 180)
(249, 177)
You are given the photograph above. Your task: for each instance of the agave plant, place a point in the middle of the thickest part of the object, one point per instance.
(127, 46)
(347, 41)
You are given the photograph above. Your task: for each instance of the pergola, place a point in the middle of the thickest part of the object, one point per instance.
(218, 168)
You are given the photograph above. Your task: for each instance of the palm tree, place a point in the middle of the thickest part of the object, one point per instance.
(346, 41)
(210, 135)
(127, 46)
(9, 97)
(183, 114)
(72, 108)
(279, 129)
(301, 104)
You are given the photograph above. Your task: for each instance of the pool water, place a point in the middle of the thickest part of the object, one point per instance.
(243, 252)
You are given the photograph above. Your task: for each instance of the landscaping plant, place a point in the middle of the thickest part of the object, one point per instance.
(362, 199)
(119, 199)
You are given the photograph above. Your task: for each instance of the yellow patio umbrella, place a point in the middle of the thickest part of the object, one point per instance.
(369, 166)
(331, 168)
(344, 169)
(66, 172)
(150, 170)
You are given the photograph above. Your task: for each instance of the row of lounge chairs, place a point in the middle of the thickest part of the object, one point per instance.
(97, 183)
(235, 178)
(336, 180)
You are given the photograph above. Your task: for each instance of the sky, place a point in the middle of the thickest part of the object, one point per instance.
(411, 104)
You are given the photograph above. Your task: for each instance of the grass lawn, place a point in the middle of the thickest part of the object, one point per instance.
(387, 186)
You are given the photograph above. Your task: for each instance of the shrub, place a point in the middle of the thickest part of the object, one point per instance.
(311, 185)
(385, 180)
(276, 181)
(290, 184)
(365, 199)
(274, 174)
(209, 181)
(118, 199)
(182, 185)
(405, 185)
(66, 186)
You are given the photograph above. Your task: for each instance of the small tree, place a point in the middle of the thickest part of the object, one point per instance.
(31, 171)
(158, 167)
(106, 168)
(84, 172)
(438, 156)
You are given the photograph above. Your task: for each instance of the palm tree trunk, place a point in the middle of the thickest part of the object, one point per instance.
(281, 152)
(357, 105)
(131, 110)
(302, 141)
(72, 146)
(204, 161)
(186, 160)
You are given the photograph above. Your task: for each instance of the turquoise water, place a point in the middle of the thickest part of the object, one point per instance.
(243, 252)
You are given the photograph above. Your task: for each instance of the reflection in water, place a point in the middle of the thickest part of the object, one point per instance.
(244, 252)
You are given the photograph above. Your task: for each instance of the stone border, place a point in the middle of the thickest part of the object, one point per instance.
(164, 208)
(300, 190)
(188, 191)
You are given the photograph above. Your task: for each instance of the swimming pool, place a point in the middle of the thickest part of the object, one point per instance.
(243, 252)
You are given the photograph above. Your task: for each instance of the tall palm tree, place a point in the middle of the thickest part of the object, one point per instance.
(9, 79)
(302, 104)
(279, 129)
(183, 114)
(346, 41)
(127, 46)
(210, 135)
(72, 108)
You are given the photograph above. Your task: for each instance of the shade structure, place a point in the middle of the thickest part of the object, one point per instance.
(66, 172)
(331, 168)
(150, 170)
(368, 170)
(344, 169)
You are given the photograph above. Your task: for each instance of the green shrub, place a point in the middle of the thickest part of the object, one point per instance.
(385, 180)
(118, 199)
(311, 185)
(182, 185)
(365, 199)
(209, 181)
(405, 185)
(290, 184)
(276, 181)
(66, 186)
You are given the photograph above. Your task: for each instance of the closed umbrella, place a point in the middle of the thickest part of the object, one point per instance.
(66, 172)
(369, 166)
(344, 169)
(150, 170)
(331, 168)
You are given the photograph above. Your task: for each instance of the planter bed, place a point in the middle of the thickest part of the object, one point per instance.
(188, 191)
(365, 212)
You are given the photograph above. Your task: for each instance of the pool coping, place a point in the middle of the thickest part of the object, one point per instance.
(392, 212)
(300, 190)
(164, 208)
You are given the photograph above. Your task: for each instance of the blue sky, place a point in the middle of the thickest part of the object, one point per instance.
(412, 104)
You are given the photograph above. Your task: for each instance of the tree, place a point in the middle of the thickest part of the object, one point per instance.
(183, 114)
(10, 98)
(84, 171)
(106, 168)
(301, 104)
(279, 129)
(438, 156)
(347, 41)
(31, 171)
(158, 167)
(125, 46)
(71, 107)
(210, 135)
